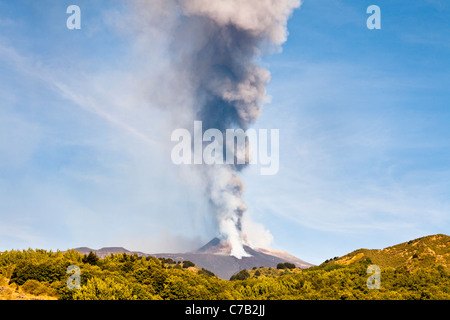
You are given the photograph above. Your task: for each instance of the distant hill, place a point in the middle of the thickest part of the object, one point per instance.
(215, 256)
(103, 252)
(423, 252)
(414, 270)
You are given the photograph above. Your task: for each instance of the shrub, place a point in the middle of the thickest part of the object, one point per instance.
(42, 272)
(91, 258)
(206, 272)
(285, 265)
(107, 289)
(241, 275)
(37, 288)
(187, 264)
(3, 281)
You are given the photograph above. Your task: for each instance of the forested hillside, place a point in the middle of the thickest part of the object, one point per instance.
(408, 271)
(418, 253)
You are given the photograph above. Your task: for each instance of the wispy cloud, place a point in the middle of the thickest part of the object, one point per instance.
(32, 67)
(107, 177)
(344, 168)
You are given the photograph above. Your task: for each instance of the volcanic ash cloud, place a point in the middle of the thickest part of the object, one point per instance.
(213, 48)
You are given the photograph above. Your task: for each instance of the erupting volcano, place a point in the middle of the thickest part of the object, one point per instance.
(215, 47)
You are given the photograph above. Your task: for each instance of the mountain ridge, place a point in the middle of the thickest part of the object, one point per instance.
(214, 256)
(420, 252)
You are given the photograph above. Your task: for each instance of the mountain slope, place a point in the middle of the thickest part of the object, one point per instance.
(423, 252)
(215, 256)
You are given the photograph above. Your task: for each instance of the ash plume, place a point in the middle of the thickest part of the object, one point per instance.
(214, 46)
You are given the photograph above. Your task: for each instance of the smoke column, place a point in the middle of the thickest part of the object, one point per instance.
(214, 47)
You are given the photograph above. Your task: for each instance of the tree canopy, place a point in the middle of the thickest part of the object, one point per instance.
(123, 277)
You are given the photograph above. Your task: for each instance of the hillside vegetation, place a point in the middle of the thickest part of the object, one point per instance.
(419, 253)
(418, 269)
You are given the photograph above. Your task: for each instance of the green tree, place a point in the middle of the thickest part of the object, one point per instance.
(104, 289)
(206, 272)
(286, 265)
(91, 258)
(187, 264)
(47, 271)
(241, 275)
(37, 288)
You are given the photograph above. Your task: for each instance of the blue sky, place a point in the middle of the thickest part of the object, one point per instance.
(363, 118)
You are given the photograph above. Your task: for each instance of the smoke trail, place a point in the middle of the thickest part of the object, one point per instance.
(214, 45)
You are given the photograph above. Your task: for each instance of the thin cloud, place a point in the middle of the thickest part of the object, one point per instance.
(31, 67)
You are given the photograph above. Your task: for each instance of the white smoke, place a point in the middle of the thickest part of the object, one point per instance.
(211, 48)
(262, 18)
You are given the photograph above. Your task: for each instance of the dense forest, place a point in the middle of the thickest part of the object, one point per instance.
(41, 274)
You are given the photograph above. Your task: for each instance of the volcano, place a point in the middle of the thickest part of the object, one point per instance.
(215, 256)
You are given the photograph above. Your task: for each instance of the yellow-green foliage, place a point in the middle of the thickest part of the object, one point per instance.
(37, 288)
(30, 274)
(422, 252)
